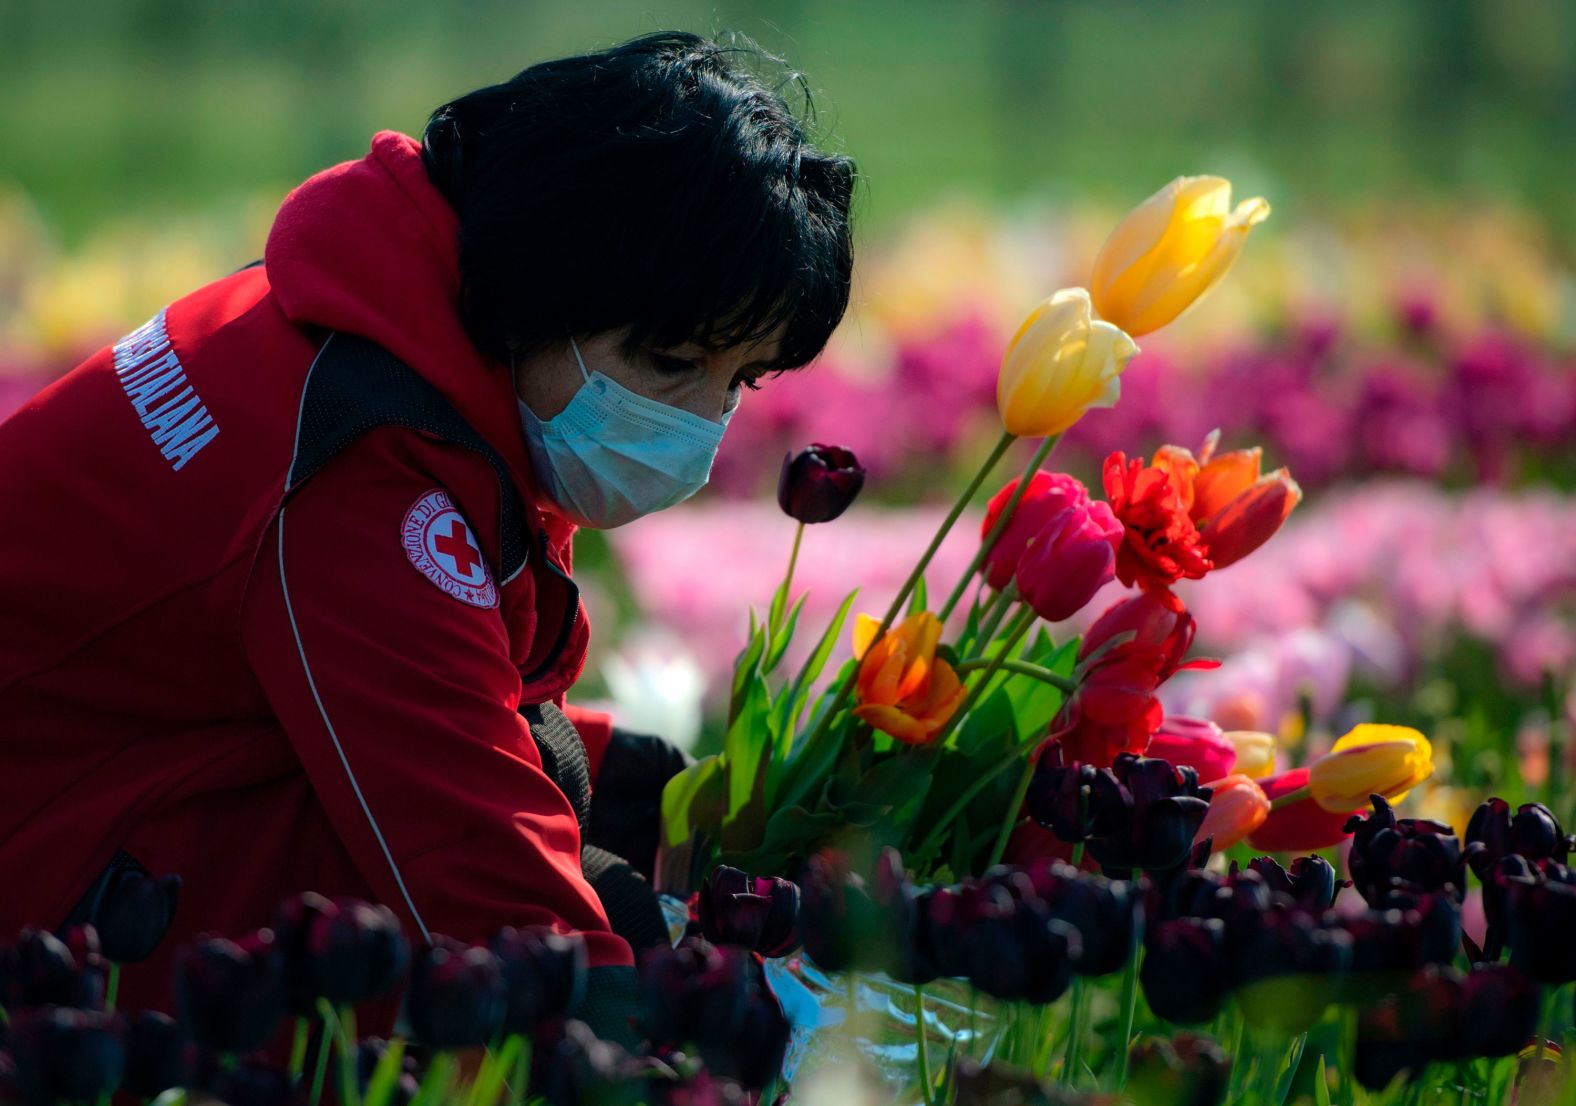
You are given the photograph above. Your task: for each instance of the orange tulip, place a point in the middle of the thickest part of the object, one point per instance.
(903, 688)
(1235, 508)
(1237, 808)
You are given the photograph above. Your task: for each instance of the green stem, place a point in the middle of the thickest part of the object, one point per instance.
(1022, 668)
(933, 838)
(921, 1045)
(1011, 819)
(846, 687)
(1074, 1054)
(1078, 851)
(522, 1073)
(112, 987)
(1015, 631)
(1290, 797)
(322, 1067)
(1000, 604)
(786, 591)
(303, 1030)
(1000, 526)
(1129, 1010)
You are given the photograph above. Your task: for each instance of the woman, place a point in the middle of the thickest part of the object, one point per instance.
(285, 598)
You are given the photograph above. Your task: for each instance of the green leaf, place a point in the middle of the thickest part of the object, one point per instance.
(784, 635)
(1321, 1085)
(1034, 702)
(774, 614)
(791, 704)
(794, 831)
(990, 719)
(498, 1067)
(1289, 1073)
(917, 597)
(693, 801)
(380, 1088)
(745, 754)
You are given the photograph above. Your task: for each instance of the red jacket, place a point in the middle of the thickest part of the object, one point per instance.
(268, 695)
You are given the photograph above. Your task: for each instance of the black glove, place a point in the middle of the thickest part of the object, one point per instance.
(626, 799)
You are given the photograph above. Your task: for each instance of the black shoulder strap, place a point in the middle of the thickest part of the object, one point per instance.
(355, 386)
(563, 755)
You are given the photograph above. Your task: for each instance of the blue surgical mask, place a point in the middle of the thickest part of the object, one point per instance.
(613, 455)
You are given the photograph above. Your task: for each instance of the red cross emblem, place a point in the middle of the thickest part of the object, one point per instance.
(443, 548)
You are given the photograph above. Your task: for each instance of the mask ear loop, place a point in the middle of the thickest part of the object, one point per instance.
(578, 359)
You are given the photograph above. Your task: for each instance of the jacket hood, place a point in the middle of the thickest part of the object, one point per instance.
(371, 247)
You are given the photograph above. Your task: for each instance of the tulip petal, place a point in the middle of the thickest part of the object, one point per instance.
(1251, 519)
(865, 629)
(1226, 476)
(890, 720)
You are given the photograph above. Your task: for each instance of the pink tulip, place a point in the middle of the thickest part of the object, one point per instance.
(1195, 742)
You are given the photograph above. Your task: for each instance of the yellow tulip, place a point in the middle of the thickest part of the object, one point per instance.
(1255, 753)
(1061, 362)
(1169, 251)
(1371, 760)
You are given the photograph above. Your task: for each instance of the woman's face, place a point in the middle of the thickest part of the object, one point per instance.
(703, 382)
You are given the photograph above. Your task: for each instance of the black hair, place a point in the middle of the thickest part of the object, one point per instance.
(659, 185)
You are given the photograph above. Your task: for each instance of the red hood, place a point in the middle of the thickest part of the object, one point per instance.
(370, 247)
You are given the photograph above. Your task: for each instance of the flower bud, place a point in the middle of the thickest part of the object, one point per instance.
(158, 1056)
(1237, 808)
(818, 483)
(759, 914)
(1060, 363)
(1048, 494)
(544, 975)
(1255, 753)
(356, 953)
(1371, 760)
(65, 1055)
(1185, 974)
(456, 996)
(1072, 557)
(1532, 832)
(1406, 856)
(133, 913)
(1169, 251)
(1309, 883)
(1155, 824)
(231, 994)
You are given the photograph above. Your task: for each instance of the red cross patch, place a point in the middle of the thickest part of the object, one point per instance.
(444, 549)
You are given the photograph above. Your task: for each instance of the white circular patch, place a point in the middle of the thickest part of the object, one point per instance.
(444, 549)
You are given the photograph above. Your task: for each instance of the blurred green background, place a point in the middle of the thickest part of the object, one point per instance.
(116, 108)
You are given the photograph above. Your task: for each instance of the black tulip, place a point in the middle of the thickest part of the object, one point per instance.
(571, 1066)
(133, 913)
(1405, 856)
(1290, 970)
(1499, 1011)
(691, 993)
(1411, 1027)
(355, 953)
(752, 1052)
(41, 970)
(456, 997)
(1185, 975)
(1157, 814)
(65, 1055)
(839, 921)
(1309, 883)
(1531, 832)
(818, 483)
(756, 913)
(231, 994)
(1108, 915)
(1184, 1070)
(544, 975)
(158, 1055)
(1542, 920)
(292, 925)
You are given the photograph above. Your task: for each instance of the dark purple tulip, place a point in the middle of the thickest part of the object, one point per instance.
(251, 1083)
(41, 970)
(1289, 971)
(1160, 811)
(133, 912)
(756, 913)
(1405, 857)
(158, 1055)
(292, 926)
(354, 953)
(1061, 797)
(544, 975)
(1185, 975)
(693, 992)
(896, 943)
(571, 1066)
(752, 1052)
(456, 997)
(231, 994)
(837, 917)
(1499, 1011)
(1408, 1029)
(1531, 832)
(819, 482)
(1108, 915)
(64, 1055)
(1310, 882)
(1185, 1070)
(1542, 919)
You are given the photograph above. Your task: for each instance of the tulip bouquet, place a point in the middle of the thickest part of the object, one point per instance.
(927, 739)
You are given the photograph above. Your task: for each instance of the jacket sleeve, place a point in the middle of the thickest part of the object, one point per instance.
(401, 701)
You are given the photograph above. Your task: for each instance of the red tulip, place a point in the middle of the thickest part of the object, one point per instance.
(1300, 826)
(1161, 545)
